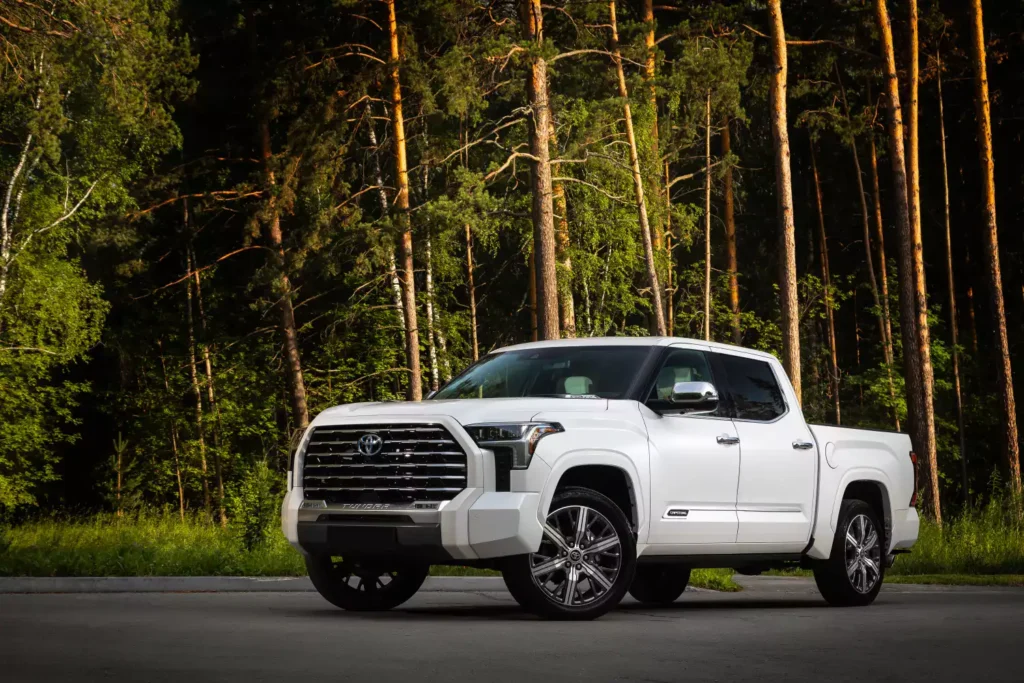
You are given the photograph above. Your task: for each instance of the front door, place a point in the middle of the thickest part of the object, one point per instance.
(695, 461)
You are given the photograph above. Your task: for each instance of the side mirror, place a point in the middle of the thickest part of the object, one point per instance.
(698, 395)
(430, 394)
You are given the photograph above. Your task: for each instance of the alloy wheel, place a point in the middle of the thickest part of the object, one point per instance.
(580, 556)
(863, 554)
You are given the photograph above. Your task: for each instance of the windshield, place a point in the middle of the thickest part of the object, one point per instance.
(559, 372)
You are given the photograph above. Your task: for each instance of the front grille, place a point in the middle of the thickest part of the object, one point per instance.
(417, 462)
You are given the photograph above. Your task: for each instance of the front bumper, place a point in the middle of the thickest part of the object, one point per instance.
(478, 523)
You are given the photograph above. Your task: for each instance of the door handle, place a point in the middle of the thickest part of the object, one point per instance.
(803, 445)
(727, 440)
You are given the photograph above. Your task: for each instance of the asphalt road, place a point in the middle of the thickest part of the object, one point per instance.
(778, 630)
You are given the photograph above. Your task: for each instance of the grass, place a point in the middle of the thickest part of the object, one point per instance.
(983, 547)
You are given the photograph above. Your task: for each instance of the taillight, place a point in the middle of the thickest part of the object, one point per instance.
(913, 497)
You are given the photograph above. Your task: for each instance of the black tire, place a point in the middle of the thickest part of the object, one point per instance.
(659, 584)
(365, 586)
(612, 567)
(859, 587)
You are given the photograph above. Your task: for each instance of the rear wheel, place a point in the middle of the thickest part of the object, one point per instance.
(365, 586)
(659, 584)
(853, 574)
(585, 562)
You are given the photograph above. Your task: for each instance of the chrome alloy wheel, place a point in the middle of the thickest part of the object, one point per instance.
(863, 554)
(580, 556)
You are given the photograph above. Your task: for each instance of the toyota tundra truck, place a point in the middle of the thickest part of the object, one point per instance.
(582, 469)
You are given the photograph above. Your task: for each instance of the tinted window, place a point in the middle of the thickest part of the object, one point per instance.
(561, 372)
(755, 392)
(681, 365)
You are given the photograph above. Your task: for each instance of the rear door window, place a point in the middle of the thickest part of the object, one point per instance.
(755, 391)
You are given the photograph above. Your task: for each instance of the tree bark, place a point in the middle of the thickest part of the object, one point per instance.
(174, 437)
(638, 183)
(543, 210)
(784, 196)
(289, 332)
(412, 334)
(472, 294)
(670, 292)
(915, 347)
(826, 281)
(566, 306)
(532, 291)
(951, 285)
(396, 287)
(730, 236)
(707, 217)
(650, 65)
(435, 371)
(1005, 382)
(194, 378)
(211, 398)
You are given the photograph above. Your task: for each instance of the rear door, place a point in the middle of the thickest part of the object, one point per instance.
(778, 458)
(694, 461)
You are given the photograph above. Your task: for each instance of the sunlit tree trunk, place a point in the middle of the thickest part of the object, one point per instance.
(707, 217)
(922, 424)
(789, 301)
(650, 66)
(1005, 383)
(435, 372)
(396, 286)
(566, 306)
(546, 277)
(826, 281)
(471, 285)
(412, 334)
(670, 292)
(638, 182)
(730, 235)
(883, 281)
(951, 285)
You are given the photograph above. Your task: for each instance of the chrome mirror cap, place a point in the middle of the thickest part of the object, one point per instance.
(695, 394)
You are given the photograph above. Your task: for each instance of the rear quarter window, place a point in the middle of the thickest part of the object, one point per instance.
(755, 391)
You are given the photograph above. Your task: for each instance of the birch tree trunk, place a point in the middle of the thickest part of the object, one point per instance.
(826, 281)
(194, 378)
(951, 285)
(472, 294)
(638, 183)
(222, 515)
(1005, 383)
(921, 417)
(289, 332)
(707, 217)
(546, 278)
(784, 197)
(412, 334)
(730, 236)
(435, 373)
(382, 196)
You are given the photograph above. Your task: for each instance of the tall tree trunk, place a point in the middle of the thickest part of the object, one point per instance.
(707, 217)
(472, 294)
(174, 437)
(211, 397)
(565, 300)
(638, 183)
(971, 318)
(670, 292)
(194, 378)
(730, 236)
(543, 211)
(650, 65)
(784, 197)
(532, 291)
(921, 416)
(435, 371)
(826, 281)
(382, 196)
(951, 284)
(1005, 382)
(883, 279)
(289, 331)
(412, 334)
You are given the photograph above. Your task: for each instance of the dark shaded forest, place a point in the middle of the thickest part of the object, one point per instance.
(222, 216)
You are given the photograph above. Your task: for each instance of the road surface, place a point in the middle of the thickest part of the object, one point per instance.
(777, 630)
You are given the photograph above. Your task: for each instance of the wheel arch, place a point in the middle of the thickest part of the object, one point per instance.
(876, 494)
(609, 473)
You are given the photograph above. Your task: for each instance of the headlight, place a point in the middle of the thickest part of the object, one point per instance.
(521, 437)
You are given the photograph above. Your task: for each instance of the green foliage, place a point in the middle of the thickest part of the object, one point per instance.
(253, 504)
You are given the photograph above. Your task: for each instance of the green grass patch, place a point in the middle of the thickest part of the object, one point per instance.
(715, 579)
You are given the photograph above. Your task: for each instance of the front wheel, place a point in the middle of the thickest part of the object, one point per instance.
(852, 575)
(585, 561)
(659, 584)
(362, 586)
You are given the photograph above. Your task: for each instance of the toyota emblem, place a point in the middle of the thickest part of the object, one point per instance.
(370, 444)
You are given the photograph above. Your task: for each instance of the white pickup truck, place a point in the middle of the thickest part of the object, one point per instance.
(586, 468)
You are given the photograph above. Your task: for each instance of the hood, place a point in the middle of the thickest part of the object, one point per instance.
(463, 411)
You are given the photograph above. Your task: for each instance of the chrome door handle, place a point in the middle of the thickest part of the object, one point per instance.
(803, 445)
(728, 440)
